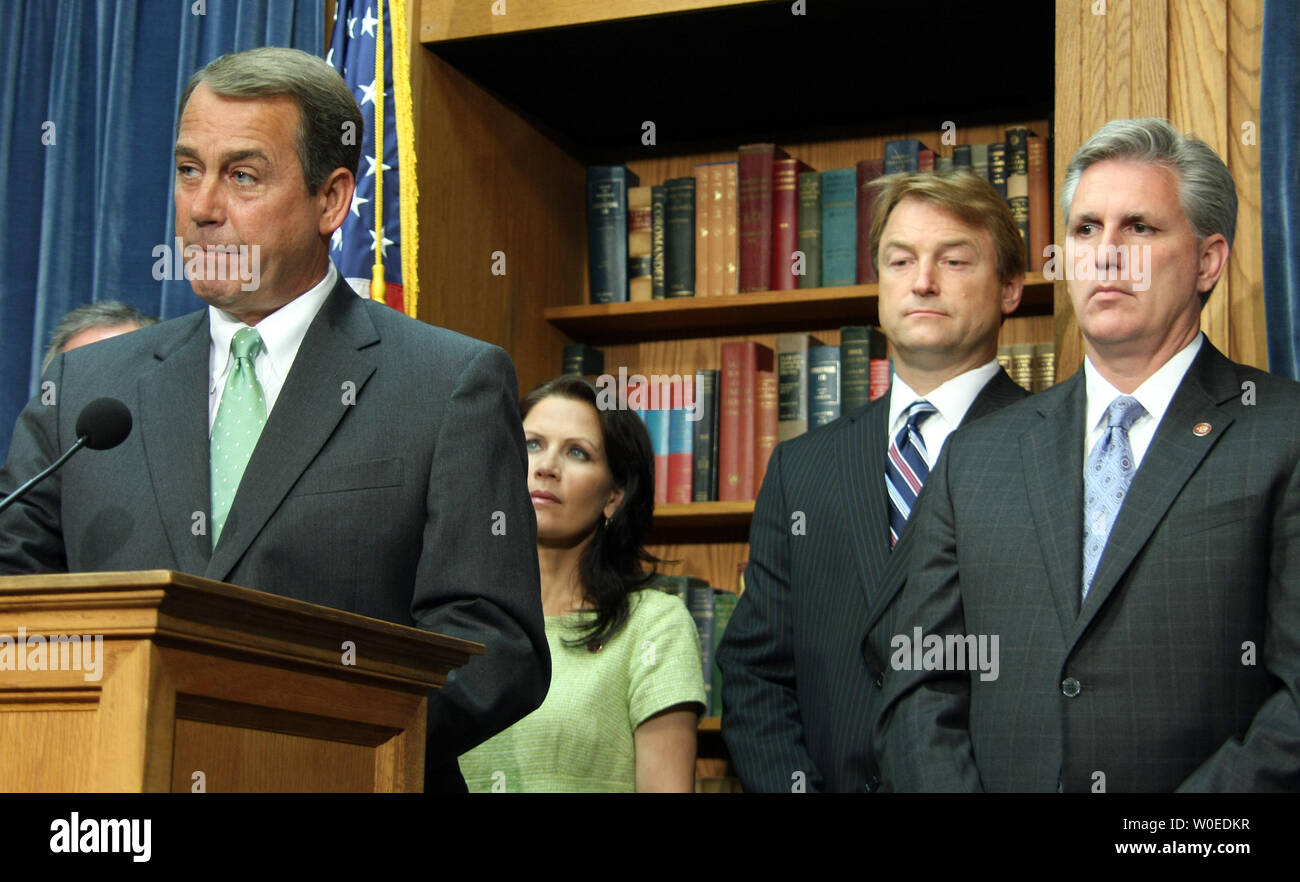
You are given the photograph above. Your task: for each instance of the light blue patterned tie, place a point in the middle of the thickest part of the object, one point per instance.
(1106, 480)
(240, 418)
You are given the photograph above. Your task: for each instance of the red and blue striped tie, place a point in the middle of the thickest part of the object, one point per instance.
(906, 468)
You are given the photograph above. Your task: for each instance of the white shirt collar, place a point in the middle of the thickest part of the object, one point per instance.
(951, 399)
(282, 331)
(1154, 394)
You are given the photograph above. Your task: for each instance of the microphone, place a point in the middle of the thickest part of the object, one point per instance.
(102, 424)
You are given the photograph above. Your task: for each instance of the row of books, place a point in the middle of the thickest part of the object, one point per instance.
(1032, 365)
(711, 608)
(719, 450)
(769, 222)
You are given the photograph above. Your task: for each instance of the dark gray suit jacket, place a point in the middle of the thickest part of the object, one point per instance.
(1181, 670)
(800, 675)
(383, 507)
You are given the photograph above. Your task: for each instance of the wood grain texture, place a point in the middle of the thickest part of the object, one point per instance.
(459, 19)
(1247, 338)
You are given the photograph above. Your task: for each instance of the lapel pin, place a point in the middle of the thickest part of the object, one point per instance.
(1200, 430)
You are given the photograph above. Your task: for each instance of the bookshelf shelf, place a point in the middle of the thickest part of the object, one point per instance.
(466, 19)
(700, 515)
(764, 311)
(711, 724)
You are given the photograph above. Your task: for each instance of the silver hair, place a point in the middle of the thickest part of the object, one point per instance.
(1205, 187)
(104, 314)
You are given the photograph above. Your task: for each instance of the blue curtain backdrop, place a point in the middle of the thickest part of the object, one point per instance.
(87, 124)
(1279, 135)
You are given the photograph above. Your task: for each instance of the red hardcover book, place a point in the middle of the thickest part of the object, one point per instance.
(1040, 209)
(785, 221)
(737, 418)
(766, 430)
(868, 171)
(925, 161)
(757, 163)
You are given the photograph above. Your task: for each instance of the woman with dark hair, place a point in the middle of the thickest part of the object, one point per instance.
(626, 683)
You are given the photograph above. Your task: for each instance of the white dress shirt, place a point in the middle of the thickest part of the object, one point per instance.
(282, 332)
(951, 401)
(1154, 394)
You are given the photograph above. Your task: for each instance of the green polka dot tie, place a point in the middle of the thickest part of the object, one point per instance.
(239, 423)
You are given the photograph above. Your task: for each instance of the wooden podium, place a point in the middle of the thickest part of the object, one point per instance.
(178, 683)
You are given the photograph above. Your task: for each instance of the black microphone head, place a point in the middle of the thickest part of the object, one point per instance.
(104, 423)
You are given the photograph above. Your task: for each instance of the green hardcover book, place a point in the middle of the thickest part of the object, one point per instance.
(724, 604)
(855, 366)
(810, 228)
(658, 226)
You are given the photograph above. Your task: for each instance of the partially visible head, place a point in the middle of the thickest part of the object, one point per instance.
(267, 149)
(92, 323)
(1150, 215)
(951, 264)
(591, 477)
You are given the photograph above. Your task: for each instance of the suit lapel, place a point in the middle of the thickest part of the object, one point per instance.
(861, 460)
(173, 426)
(308, 410)
(1051, 455)
(1174, 455)
(997, 393)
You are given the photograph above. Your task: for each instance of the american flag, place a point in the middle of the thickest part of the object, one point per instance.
(355, 246)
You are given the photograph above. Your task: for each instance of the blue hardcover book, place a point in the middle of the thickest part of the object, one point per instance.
(902, 155)
(839, 227)
(607, 231)
(680, 446)
(823, 385)
(701, 605)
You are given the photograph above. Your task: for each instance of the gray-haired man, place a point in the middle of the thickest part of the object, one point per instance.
(1131, 536)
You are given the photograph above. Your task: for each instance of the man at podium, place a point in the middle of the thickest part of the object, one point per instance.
(291, 436)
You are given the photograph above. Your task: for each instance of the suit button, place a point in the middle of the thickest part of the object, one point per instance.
(1071, 687)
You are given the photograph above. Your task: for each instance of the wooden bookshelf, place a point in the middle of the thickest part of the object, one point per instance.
(467, 19)
(764, 311)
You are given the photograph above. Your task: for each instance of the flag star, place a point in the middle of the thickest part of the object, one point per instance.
(336, 240)
(367, 92)
(368, 23)
(352, 23)
(387, 242)
(371, 170)
(357, 202)
(329, 57)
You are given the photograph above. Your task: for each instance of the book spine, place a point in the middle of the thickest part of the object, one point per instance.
(961, 156)
(658, 426)
(880, 369)
(868, 171)
(756, 169)
(731, 225)
(823, 385)
(792, 384)
(729, 423)
(1022, 365)
(902, 156)
(855, 367)
(724, 605)
(702, 204)
(925, 160)
(658, 228)
(680, 462)
(640, 268)
(717, 229)
(679, 245)
(810, 228)
(785, 222)
(1044, 366)
(702, 611)
(765, 431)
(1040, 203)
(998, 167)
(579, 358)
(979, 158)
(704, 478)
(839, 227)
(1018, 181)
(607, 232)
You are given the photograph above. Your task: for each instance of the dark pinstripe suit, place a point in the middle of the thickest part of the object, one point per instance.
(799, 691)
(1149, 683)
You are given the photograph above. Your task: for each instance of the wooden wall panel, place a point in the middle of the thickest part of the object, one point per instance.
(1196, 63)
